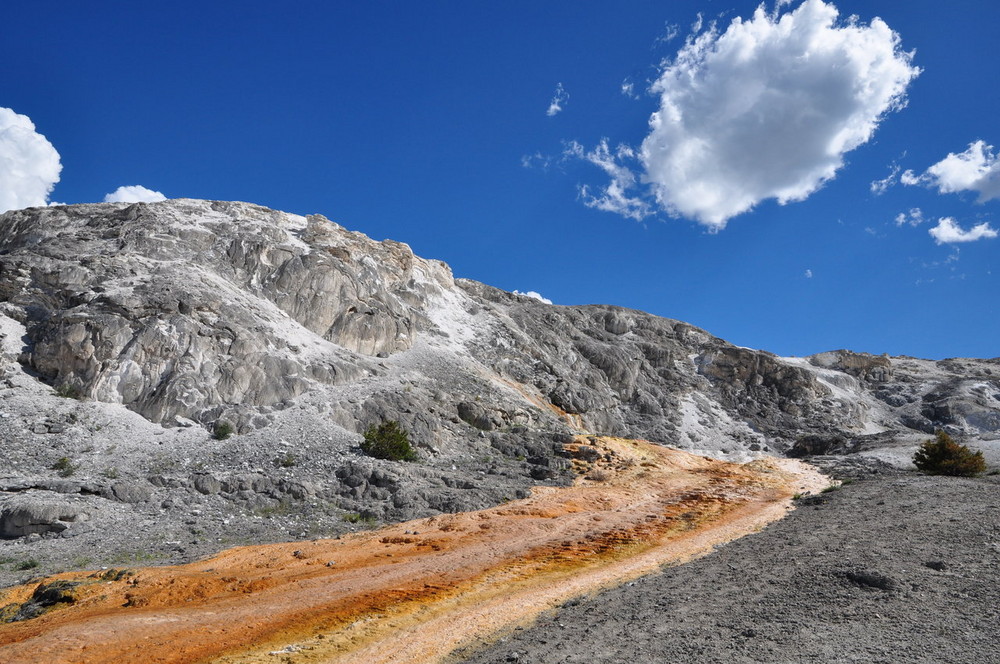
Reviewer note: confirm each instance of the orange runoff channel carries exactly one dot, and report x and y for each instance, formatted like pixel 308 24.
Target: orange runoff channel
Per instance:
pixel 420 590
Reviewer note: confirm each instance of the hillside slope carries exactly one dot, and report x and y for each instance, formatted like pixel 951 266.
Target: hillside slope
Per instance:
pixel 162 321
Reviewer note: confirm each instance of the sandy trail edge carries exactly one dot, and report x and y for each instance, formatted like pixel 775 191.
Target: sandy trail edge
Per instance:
pixel 416 591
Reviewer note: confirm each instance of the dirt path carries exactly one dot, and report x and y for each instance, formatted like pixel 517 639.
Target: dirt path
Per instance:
pixel 416 591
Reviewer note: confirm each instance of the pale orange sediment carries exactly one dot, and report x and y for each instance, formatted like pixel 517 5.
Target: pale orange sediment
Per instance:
pixel 414 592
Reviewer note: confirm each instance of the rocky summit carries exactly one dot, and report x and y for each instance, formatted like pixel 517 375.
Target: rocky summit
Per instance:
pixel 136 337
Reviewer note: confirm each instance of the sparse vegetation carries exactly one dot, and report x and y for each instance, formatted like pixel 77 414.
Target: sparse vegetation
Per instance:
pixel 943 456
pixel 68 391
pixel 286 460
pixel 388 441
pixel 598 475
pixel 64 467
pixel 354 517
pixel 25 565
pixel 283 507
pixel 222 430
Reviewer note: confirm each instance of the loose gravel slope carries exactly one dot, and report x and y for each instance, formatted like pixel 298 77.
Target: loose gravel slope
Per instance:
pixel 893 568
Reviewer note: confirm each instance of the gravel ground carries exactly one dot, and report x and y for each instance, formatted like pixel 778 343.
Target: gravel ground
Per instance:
pixel 894 567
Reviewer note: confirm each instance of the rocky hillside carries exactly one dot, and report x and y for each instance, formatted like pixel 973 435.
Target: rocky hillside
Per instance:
pixel 132 332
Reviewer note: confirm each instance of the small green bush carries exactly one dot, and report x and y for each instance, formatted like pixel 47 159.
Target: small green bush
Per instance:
pixel 943 456
pixel 364 520
pixel 64 467
pixel 69 391
pixel 388 441
pixel 222 430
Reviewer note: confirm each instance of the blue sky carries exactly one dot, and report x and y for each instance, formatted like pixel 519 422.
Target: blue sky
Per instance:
pixel 430 123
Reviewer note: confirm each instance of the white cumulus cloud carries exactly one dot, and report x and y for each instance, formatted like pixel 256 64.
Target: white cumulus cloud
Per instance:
pixel 767 109
pixel 535 296
pixel 976 169
pixel 134 194
pixel 558 99
pixel 29 165
pixel 948 231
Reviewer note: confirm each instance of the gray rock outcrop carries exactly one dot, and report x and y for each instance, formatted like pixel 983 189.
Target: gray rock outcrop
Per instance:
pixel 129 331
pixel 22 516
pixel 207 311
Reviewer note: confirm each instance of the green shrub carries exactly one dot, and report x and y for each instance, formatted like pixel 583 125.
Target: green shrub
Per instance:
pixel 388 441
pixel 64 467
pixel 222 430
pixel 364 520
pixel 69 391
pixel 943 456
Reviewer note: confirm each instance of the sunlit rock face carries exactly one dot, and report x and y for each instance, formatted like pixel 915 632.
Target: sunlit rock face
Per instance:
pixel 190 310
pixel 182 308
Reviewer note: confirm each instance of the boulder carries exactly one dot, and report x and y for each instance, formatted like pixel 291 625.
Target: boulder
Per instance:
pixel 24 515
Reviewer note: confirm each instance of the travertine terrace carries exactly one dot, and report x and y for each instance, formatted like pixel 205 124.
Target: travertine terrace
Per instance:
pixel 415 591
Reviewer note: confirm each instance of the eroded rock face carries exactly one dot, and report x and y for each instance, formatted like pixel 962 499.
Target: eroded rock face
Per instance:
pixel 872 368
pixel 207 311
pixel 186 309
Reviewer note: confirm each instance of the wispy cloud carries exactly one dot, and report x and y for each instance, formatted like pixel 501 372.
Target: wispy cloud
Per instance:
pixel 699 21
pixel 879 187
pixel 615 196
pixel 948 231
pixel 913 217
pixel 558 99
pixel 808 274
pixel 765 110
pixel 628 89
pixel 670 32
pixel 29 165
pixel 537 160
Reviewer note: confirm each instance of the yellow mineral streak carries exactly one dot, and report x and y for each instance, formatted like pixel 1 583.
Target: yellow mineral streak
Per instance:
pixel 416 591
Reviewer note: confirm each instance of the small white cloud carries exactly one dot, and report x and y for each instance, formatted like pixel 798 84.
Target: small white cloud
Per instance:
pixel 809 274
pixel 948 231
pixel 558 99
pixel 977 169
pixel 879 187
pixel 134 194
pixel 536 296
pixel 29 165
pixel 767 109
pixel 914 217
pixel 628 89
pixel 908 177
